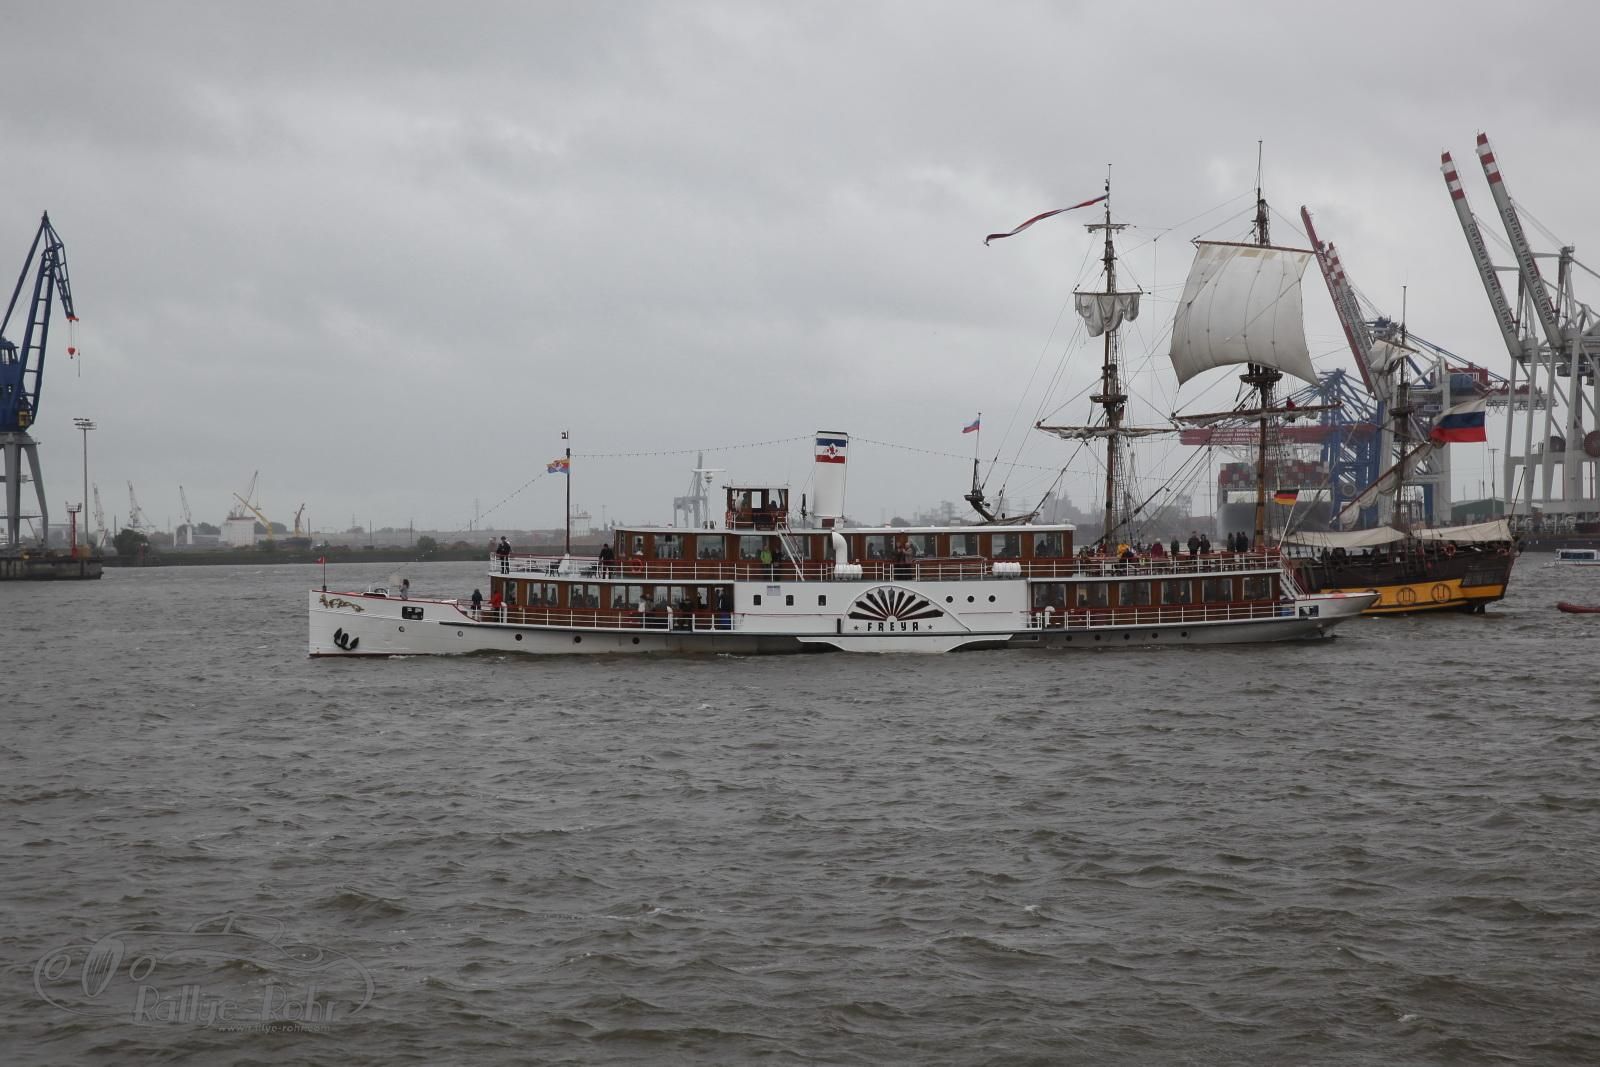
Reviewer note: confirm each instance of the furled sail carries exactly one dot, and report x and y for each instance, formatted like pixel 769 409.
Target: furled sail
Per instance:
pixel 1386 356
pixel 1100 433
pixel 1385 485
pixel 1107 311
pixel 1241 304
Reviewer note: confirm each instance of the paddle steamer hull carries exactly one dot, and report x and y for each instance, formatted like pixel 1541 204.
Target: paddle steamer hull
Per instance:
pixel 364 624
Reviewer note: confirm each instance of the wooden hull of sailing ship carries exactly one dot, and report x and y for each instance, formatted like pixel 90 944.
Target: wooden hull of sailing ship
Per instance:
pixel 1468 581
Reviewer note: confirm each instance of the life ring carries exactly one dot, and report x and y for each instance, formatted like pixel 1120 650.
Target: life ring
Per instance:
pixel 1449 549
pixel 635 566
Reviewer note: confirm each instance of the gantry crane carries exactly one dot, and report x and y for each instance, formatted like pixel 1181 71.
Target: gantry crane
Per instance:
pixel 253 510
pixel 22 373
pixel 136 519
pixel 99 516
pixel 1554 344
pixel 186 531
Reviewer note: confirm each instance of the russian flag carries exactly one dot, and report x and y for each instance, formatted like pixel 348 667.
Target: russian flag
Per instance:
pixel 1462 424
pixel 831 449
pixel 972 427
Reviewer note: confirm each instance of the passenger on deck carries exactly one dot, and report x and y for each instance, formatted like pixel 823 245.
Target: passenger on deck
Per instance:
pixel 477 603
pixel 503 550
pixel 608 559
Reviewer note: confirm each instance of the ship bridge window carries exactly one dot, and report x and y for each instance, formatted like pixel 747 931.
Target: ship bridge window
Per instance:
pixel 668 547
pixel 1005 546
pixel 1218 589
pixel 709 546
pixel 1048 545
pixel 638 544
pixel 1258 587
pixel 963 544
pixel 1176 593
pixel 1090 595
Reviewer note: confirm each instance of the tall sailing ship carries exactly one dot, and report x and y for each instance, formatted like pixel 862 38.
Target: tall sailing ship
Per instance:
pixel 1412 567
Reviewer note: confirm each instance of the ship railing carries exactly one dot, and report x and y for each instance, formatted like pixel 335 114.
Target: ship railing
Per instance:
pixel 922 569
pixel 655 619
pixel 1158 615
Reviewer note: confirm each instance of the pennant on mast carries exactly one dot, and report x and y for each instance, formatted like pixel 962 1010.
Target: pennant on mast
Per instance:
pixel 1046 215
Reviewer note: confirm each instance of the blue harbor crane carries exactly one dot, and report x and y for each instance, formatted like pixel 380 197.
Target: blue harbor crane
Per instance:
pixel 22 371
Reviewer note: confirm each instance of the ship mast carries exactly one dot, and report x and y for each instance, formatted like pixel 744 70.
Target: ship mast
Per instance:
pixel 1261 378
pixel 1111 397
pixel 1401 411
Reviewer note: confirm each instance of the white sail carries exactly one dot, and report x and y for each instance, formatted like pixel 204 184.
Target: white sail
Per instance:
pixel 1242 304
pixel 1107 311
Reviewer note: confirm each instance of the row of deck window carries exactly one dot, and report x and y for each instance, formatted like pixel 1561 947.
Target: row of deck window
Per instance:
pixel 1036 544
pixel 619 597
pixel 1076 595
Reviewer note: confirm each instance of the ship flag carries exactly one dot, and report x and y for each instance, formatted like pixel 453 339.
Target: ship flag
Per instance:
pixel 1045 215
pixel 972 427
pixel 831 449
pixel 1462 424
pixel 559 465
pixel 1286 497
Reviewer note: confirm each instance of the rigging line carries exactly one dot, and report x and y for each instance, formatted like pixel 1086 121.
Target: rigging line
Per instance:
pixel 935 452
pixel 503 501
pixel 688 451
pixel 1163 231
pixel 1034 374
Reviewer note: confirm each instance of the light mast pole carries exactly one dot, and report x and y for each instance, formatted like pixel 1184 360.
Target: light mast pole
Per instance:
pixel 568 473
pixel 85 425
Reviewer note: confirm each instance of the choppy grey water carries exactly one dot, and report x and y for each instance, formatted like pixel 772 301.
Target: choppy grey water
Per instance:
pixel 1377 849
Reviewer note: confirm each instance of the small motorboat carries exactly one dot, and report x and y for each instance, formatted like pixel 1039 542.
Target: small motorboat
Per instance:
pixel 1577 609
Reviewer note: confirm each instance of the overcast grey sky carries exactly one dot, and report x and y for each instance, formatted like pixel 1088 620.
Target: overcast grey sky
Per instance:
pixel 385 253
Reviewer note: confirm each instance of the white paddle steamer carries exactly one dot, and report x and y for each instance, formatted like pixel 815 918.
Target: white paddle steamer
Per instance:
pixel 761 583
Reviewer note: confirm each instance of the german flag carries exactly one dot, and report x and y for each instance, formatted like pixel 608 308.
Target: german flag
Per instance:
pixel 1286 497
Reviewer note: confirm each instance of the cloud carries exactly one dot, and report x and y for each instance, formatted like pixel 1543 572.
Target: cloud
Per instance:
pixel 385 253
